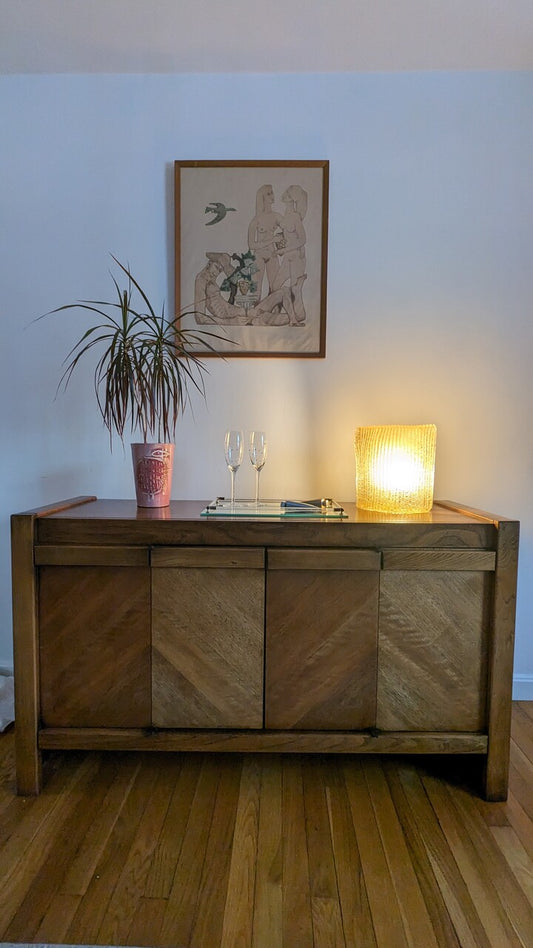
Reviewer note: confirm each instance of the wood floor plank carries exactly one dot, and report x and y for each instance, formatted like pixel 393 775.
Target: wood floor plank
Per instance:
pixel 494 814
pixel 386 914
pixel 94 904
pixel 268 908
pixel 416 919
pixel 213 886
pixel 520 757
pixel 455 893
pixel 296 914
pixel 521 822
pixel 524 709
pixel 525 706
pixel 165 858
pixel 75 825
pixel 522 732
pixel 181 903
pixel 268 851
pixel 420 845
pixel 131 883
pixel 327 923
pixel 322 875
pixel 59 915
pixel 83 865
pixel 23 815
pixel 462 928
pixel 516 908
pixel 27 849
pixel 325 904
pixel 521 779
pixel 482 885
pixel 355 909
pixel 238 919
pixel 517 858
pixel 146 922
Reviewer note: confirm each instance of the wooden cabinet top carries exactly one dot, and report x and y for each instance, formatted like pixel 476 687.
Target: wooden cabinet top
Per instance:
pixel 90 520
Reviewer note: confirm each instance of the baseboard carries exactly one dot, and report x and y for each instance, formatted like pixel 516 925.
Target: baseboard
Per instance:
pixel 523 688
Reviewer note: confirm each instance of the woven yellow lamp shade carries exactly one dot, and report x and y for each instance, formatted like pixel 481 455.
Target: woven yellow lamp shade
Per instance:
pixel 395 468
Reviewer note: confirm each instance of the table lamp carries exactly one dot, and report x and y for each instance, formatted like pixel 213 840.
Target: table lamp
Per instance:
pixel 395 468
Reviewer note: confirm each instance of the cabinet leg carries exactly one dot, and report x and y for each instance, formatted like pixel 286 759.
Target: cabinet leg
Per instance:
pixel 496 776
pixel 26 655
pixel 28 766
pixel 501 662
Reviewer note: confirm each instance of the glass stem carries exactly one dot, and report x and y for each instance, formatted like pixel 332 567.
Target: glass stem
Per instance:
pixel 257 487
pixel 232 486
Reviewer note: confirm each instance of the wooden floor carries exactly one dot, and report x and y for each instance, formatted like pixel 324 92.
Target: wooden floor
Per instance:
pixel 268 851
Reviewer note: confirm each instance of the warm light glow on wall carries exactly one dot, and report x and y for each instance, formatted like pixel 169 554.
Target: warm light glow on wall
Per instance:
pixel 395 468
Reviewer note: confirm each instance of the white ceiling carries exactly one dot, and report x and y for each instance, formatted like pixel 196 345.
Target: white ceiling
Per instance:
pixel 151 36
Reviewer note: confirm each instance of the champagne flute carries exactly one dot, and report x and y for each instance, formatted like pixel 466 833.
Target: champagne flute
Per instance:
pixel 258 454
pixel 233 448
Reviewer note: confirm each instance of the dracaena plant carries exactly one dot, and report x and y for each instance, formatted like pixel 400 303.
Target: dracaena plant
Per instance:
pixel 144 374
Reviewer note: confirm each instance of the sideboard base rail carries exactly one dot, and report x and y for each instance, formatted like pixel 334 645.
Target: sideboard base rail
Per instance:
pixel 269 742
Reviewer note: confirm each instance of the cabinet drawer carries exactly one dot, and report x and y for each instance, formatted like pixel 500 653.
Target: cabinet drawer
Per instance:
pixel 66 555
pixel 440 559
pixel 323 559
pixel 208 557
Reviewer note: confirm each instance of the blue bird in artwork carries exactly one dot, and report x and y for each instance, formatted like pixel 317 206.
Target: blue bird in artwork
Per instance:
pixel 219 210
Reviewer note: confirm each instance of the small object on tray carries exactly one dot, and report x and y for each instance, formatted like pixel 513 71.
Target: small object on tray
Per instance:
pixel 323 507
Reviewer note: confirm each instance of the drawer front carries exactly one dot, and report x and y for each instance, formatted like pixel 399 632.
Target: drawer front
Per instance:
pixel 484 560
pixel 323 559
pixel 208 557
pixel 67 555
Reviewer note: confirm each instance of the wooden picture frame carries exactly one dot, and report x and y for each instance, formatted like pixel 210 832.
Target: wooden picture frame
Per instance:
pixel 251 255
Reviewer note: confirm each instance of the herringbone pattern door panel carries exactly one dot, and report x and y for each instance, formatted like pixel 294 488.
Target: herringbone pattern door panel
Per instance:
pixel 95 646
pixel 321 654
pixel 207 655
pixel 433 645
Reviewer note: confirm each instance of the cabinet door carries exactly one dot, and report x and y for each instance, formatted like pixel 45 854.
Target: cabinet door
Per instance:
pixel 321 639
pixel 94 641
pixel 208 635
pixel 434 628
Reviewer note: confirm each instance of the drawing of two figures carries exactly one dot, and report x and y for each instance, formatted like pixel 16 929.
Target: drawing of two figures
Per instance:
pixel 263 286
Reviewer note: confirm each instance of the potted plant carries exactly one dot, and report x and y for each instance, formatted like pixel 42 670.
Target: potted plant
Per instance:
pixel 142 378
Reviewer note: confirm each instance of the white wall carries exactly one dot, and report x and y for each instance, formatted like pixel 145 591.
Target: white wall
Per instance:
pixel 430 280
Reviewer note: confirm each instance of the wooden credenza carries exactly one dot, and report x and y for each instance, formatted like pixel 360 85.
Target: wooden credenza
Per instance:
pixel 165 630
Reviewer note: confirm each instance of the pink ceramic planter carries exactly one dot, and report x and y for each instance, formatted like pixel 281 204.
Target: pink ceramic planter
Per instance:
pixel 152 468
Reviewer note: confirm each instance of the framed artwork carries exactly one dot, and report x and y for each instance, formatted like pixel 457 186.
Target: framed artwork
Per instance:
pixel 251 255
